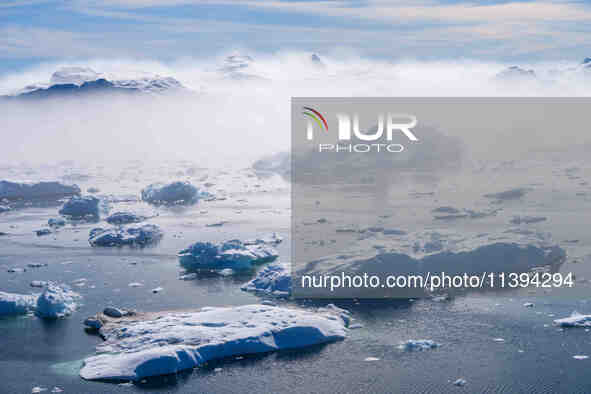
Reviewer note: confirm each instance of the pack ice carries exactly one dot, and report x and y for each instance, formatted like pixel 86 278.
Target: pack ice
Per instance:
pixel 55 301
pixel 274 280
pixel 36 191
pixel 172 193
pixel 121 236
pixel 78 207
pixel 164 343
pixel 234 254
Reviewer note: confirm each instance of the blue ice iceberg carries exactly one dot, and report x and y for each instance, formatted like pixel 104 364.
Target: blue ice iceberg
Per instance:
pixel 274 280
pixel 56 301
pixel 173 193
pixel 36 191
pixel 121 236
pixel 80 207
pixel 119 218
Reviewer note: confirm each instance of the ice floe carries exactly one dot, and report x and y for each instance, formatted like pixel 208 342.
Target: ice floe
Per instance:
pixel 36 191
pixel 119 218
pixel 274 280
pixel 154 344
pixel 234 254
pixel 173 193
pixel 574 320
pixel 125 236
pixel 80 207
pixel 418 344
pixel 16 304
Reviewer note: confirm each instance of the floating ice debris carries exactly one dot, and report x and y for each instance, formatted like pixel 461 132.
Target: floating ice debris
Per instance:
pixel 189 276
pixel 355 326
pixel 528 304
pixel 38 283
pixel 272 239
pixel 93 322
pixel 173 193
pixel 119 218
pixel 57 390
pixel 459 382
pixel 440 298
pixel 135 284
pixel 42 232
pixel 499 340
pixel 216 224
pixel 121 236
pixel 56 222
pixel 56 301
pixel 36 191
pixel 226 272
pixel 16 270
pixel 157 290
pixel 580 357
pixel 446 209
pixel 38 389
pixel 274 279
pixel 575 320
pixel 4 208
pixel 233 254
pixel 116 312
pixel 418 344
pixel 371 359
pixel 163 343
pixel 79 207
pixel 527 219
pixel 93 190
pixel 512 194
pixel 16 304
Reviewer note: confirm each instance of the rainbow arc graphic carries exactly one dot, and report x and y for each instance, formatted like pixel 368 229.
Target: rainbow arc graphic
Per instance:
pixel 316 117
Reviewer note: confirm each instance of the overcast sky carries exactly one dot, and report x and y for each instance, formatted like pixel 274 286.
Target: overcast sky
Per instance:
pixel 33 31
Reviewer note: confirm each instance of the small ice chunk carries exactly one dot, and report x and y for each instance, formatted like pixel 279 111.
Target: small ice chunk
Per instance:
pixel 189 276
pixel 57 390
pixel 16 304
pixel 36 265
pixel 499 340
pixel 512 194
pixel 460 382
pixel 135 284
pixel 527 219
pixel 173 193
pixel 574 320
pixel 233 254
pixel 56 301
pixel 226 272
pixel 446 209
pixel 120 236
pixel 38 389
pixel 115 312
pixel 79 207
pixel 56 222
pixel 371 359
pixel 418 344
pixel 157 290
pixel 120 218
pixel 274 279
pixel 38 283
pixel 580 357
pixel 42 232
pixel 528 304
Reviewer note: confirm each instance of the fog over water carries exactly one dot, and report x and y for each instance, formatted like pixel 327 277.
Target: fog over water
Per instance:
pixel 237 107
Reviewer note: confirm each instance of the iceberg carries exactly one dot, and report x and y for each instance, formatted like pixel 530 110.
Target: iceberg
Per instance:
pixel 233 254
pixel 418 344
pixel 56 301
pixel 153 344
pixel 278 163
pixel 121 236
pixel 16 304
pixel 274 280
pixel 79 207
pixel 120 218
pixel 574 320
pixel 36 191
pixel 173 193
pixel 56 222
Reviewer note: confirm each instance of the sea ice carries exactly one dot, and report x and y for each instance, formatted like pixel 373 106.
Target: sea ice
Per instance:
pixel 119 218
pixel 120 236
pixel 154 344
pixel 16 304
pixel 574 320
pixel 233 254
pixel 56 301
pixel 274 279
pixel 173 193
pixel 36 191
pixel 79 207
pixel 418 344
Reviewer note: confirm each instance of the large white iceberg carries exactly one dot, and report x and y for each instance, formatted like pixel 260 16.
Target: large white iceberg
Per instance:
pixel 16 304
pixel 163 343
pixel 274 280
pixel 78 207
pixel 56 301
pixel 36 191
pixel 120 236
pixel 172 193
pixel 233 254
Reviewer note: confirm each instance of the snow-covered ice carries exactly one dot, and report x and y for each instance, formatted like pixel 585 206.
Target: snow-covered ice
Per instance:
pixel 173 193
pixel 274 279
pixel 79 207
pixel 121 236
pixel 162 343
pixel 233 254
